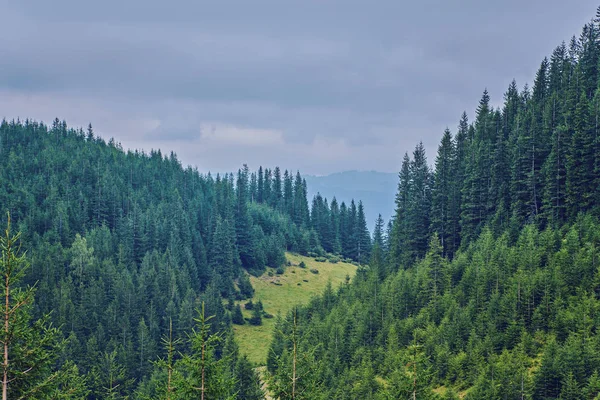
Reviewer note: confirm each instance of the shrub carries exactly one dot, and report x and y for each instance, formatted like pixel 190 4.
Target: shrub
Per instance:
pixel 302 264
pixel 249 305
pixel 314 271
pixel 320 259
pixel 279 271
pixel 334 259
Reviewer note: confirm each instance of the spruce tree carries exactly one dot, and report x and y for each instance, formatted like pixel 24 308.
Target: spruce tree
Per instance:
pixel 31 347
pixel 399 236
pixel 363 235
pixel 441 207
pixel 288 194
pixel 419 204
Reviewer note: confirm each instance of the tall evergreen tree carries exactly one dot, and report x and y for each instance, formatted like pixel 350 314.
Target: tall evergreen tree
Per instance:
pixel 441 207
pixel 419 204
pixel 362 235
pixel 31 348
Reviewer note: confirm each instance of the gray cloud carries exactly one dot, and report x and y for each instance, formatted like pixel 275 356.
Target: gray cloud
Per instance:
pixel 311 85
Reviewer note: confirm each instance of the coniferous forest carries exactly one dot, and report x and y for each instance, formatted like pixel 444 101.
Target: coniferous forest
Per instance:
pixel 121 269
pixel 486 283
pixel 124 249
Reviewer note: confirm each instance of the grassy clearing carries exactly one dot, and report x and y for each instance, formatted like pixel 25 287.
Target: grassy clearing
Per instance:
pixel 279 293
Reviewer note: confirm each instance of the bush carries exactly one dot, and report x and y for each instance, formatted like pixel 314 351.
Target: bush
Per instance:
pixel 304 280
pixel 293 271
pixel 314 271
pixel 270 273
pixel 302 264
pixel 299 284
pixel 320 259
pixel 279 271
pixel 334 259
pixel 249 305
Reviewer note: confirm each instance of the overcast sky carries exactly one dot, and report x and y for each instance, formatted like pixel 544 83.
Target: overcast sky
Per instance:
pixel 319 86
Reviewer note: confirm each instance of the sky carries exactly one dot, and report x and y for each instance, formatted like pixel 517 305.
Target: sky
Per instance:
pixel 316 86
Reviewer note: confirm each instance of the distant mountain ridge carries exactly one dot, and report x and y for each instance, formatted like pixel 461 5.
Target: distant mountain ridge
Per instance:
pixel 377 191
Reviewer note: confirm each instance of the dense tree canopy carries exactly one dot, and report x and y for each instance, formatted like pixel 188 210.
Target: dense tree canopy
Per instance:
pixel 486 285
pixel 124 246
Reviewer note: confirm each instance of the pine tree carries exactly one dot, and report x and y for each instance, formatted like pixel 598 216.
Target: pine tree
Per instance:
pixel 200 373
pixel 378 233
pixel 237 317
pixel 580 161
pixel 336 246
pixel 276 199
pixel 300 202
pixel 363 235
pixel 31 348
pixel 247 382
pixel 260 186
pixel 441 208
pixel 399 236
pixel 243 222
pixel 419 204
pixel 461 145
pixel 288 194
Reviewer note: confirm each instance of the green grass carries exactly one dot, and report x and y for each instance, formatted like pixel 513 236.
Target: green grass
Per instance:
pixel 279 299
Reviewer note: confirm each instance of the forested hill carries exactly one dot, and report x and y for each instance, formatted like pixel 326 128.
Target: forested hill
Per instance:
pixel 125 245
pixel 487 284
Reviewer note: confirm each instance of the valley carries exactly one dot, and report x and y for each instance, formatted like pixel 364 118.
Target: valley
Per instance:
pixel 280 293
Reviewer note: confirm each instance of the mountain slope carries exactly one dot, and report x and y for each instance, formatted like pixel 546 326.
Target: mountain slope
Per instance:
pixel 488 285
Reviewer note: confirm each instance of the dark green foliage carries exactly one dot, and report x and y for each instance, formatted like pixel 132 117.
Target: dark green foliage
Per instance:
pixel 487 284
pixel 442 192
pixel 500 319
pixel 247 383
pixel 236 315
pixel 246 289
pixel 31 348
pixel 125 242
pixel 256 318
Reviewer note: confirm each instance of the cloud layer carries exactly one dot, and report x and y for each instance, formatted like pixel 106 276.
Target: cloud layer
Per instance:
pixel 310 85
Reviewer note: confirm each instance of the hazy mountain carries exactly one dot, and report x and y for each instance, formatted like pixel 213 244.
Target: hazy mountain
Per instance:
pixel 376 190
